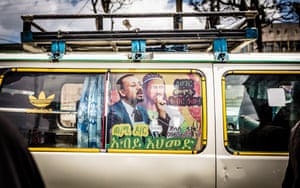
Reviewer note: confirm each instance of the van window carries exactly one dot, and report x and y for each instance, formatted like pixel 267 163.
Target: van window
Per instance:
pixel 38 104
pixel 115 111
pixel 261 108
pixel 171 112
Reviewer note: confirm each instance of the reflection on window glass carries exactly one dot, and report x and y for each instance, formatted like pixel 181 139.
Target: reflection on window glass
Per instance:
pixel 44 106
pixel 261 110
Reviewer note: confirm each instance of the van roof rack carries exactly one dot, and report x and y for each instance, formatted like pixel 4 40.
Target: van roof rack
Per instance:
pixel 203 40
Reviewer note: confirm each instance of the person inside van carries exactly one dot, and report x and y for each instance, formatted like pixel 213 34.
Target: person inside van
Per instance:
pixel 18 168
pixel 266 137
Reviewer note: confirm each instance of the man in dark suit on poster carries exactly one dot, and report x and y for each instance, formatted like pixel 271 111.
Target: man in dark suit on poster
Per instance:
pixel 128 110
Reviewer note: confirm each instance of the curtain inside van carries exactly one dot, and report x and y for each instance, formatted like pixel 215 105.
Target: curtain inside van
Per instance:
pixel 90 112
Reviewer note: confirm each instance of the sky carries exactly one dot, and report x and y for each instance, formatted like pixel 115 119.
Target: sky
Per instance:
pixel 11 24
pixel 11 11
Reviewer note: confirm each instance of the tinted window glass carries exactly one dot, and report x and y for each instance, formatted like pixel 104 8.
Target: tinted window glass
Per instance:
pixel 260 110
pixel 44 106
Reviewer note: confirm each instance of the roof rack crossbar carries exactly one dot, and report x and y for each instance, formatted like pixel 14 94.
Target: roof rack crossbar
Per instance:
pixel 250 14
pixel 43 36
pixel 131 35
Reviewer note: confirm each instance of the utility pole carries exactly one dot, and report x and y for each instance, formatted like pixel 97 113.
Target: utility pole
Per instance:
pixel 178 22
pixel 178 5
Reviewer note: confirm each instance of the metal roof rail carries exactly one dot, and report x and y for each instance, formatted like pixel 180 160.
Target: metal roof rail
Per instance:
pixel 40 39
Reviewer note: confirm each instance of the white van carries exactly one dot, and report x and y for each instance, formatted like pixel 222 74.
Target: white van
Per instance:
pixel 228 122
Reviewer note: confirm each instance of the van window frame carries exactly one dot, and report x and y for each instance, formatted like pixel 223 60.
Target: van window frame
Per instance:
pixel 113 71
pixel 225 110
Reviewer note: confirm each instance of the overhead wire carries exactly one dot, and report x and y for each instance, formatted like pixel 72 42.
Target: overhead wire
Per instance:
pixel 80 10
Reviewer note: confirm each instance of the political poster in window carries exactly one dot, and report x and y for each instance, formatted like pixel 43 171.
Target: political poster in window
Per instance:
pixel 154 111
